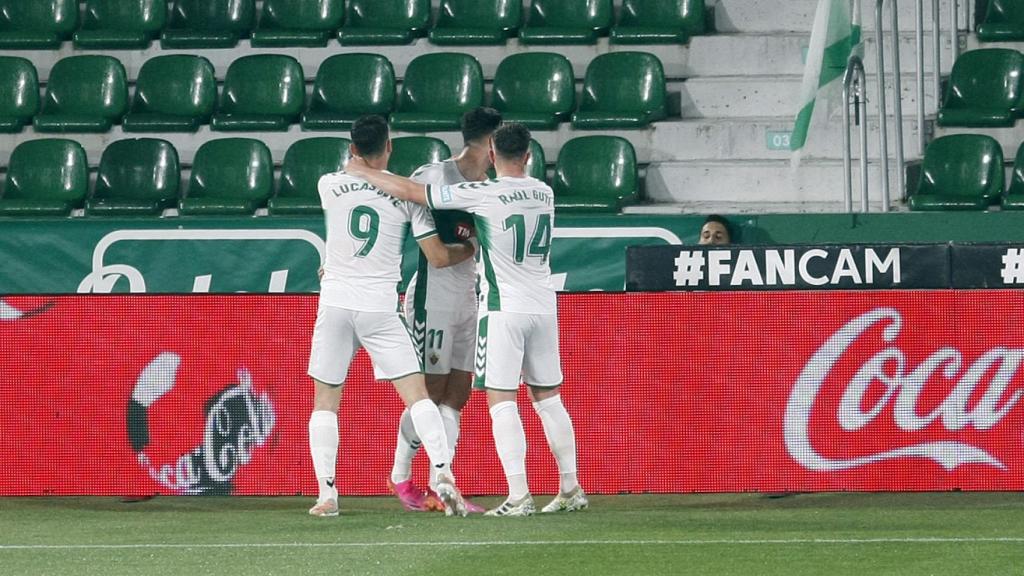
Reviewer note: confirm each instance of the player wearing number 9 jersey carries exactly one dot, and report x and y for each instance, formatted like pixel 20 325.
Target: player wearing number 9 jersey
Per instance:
pixel 518 325
pixel 358 306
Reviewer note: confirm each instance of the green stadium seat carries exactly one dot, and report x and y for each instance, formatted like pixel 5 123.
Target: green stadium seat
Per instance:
pixel 960 172
pixel 476 22
pixel 348 86
pixel 305 24
pixel 567 21
pixel 137 177
pixel 19 93
pixel 1002 21
pixel 262 92
pixel 658 22
pixel 595 174
pixel 622 90
pixel 45 178
pixel 208 23
pixel 410 152
pixel 229 176
pixel 437 90
pixel 537 89
pixel 985 89
pixel 1014 197
pixel 36 24
pixel 159 105
pixel 120 24
pixel 304 163
pixel 384 22
pixel 84 94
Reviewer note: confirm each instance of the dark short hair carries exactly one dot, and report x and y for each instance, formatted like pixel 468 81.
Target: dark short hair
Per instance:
pixel 720 220
pixel 479 122
pixel 511 140
pixel 370 135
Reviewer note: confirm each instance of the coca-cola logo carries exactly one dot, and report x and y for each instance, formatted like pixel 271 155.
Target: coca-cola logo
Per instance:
pixel 903 385
pixel 237 421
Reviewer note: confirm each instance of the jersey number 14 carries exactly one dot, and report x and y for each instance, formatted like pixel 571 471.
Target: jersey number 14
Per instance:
pixel 540 243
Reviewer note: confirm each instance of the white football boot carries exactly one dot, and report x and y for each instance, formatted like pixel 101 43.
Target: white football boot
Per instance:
pixel 575 500
pixel 524 507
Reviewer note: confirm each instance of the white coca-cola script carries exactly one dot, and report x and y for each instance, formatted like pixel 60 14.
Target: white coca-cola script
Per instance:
pixel 903 385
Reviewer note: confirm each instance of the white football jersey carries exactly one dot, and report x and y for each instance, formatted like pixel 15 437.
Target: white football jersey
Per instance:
pixel 514 220
pixel 366 231
pixel 446 289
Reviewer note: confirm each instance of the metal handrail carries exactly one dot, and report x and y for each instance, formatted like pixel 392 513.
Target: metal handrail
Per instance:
pixel 897 101
pixel 855 76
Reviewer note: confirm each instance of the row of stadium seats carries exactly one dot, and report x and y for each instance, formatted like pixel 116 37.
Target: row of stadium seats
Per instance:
pixel 267 92
pixel 193 24
pixel 1002 21
pixel 234 176
pixel 985 89
pixel 965 172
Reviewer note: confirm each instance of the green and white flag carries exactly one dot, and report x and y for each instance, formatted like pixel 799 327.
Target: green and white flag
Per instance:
pixel 835 36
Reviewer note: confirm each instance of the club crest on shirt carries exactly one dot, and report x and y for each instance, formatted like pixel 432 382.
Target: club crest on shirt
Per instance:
pixel 433 359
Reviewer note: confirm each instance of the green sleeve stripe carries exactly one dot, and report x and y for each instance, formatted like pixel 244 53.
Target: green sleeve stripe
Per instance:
pixel 430 200
pixel 426 235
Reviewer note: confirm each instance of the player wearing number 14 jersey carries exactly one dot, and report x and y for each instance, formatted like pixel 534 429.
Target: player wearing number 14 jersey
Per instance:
pixel 358 306
pixel 518 323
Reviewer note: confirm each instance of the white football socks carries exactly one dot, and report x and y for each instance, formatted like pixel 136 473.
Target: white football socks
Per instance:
pixel 430 428
pixel 510 442
pixel 323 447
pixel 407 445
pixel 561 439
pixel 450 417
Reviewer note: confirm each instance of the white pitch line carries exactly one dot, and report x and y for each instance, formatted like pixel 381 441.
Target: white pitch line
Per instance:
pixel 763 542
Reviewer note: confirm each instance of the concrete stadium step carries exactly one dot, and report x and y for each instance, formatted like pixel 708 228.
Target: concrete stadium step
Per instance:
pixel 741 54
pixel 798 15
pixel 752 96
pixel 759 182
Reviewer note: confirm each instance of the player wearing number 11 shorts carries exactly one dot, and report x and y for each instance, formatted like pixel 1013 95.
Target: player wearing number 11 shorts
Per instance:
pixel 518 323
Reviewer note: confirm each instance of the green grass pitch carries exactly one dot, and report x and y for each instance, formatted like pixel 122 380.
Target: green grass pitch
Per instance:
pixel 969 534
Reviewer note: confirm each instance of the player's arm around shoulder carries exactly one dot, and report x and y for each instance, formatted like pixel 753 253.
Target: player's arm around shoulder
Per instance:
pixel 441 255
pixel 391 184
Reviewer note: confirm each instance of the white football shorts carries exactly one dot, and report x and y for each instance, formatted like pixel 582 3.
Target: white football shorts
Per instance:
pixel 445 340
pixel 338 334
pixel 510 345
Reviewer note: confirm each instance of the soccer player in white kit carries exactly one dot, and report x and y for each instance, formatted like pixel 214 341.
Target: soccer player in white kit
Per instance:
pixel 358 306
pixel 518 324
pixel 440 306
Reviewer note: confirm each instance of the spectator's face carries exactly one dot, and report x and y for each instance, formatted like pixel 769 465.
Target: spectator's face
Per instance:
pixel 713 234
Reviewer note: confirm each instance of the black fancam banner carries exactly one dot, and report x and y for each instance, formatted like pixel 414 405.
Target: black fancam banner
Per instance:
pixel 827 267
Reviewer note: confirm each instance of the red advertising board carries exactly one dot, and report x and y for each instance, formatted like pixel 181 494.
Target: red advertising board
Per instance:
pixel 681 392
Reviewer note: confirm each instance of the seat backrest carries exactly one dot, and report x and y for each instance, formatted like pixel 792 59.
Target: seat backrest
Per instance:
pixel 598 167
pixel 962 165
pixel 1016 187
pixel 684 14
pixel 52 169
pixel 307 160
pixel 986 78
pixel 624 82
pixel 591 14
pixel 220 15
pixel 400 14
pixel 1004 11
pixel 239 168
pixel 490 14
pixel 536 166
pixel 92 85
pixel 411 152
pixel 19 88
pixel 308 15
pixel 264 84
pixel 133 15
pixel 357 83
pixel 535 82
pixel 139 168
pixel 442 82
pixel 59 17
pixel 176 84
